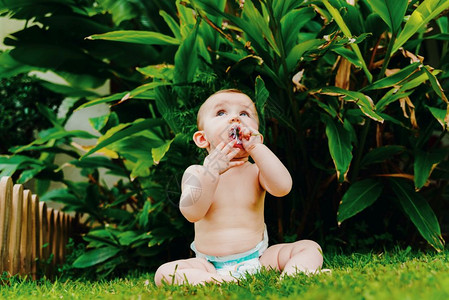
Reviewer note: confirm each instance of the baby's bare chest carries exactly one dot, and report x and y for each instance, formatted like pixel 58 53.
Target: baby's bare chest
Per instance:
pixel 238 189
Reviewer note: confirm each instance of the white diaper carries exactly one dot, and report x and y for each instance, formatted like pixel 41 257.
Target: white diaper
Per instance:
pixel 237 265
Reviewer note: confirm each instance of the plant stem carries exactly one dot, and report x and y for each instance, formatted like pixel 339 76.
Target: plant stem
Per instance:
pixel 360 148
pixel 387 57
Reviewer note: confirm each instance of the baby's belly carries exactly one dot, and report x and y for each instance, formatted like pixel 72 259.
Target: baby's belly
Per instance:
pixel 227 241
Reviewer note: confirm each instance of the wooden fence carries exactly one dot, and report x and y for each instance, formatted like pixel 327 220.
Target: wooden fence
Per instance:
pixel 30 232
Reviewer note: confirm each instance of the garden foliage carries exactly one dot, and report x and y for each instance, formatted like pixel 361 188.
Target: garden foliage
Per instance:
pixel 21 99
pixel 349 94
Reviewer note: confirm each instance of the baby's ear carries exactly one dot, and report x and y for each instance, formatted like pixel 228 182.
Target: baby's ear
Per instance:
pixel 200 139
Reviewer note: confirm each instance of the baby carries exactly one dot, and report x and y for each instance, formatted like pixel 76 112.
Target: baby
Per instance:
pixel 224 198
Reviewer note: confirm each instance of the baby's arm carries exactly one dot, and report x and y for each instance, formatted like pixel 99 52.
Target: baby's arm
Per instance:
pixel 273 175
pixel 200 182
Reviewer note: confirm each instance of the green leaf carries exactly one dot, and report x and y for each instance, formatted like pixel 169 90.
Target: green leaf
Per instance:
pixel 186 58
pixel 417 81
pixel 144 214
pixel 435 84
pixel 95 256
pixel 282 8
pixel 9 67
pixel 96 162
pixel 56 135
pixel 255 20
pixel 261 97
pixel 59 195
pixel 340 146
pixel 172 24
pixel 251 23
pixel 68 91
pixel 120 10
pixel 419 212
pixel 118 215
pixel 443 24
pixel 426 11
pixel 396 78
pixel 391 11
pixel 294 56
pixel 159 152
pixel 440 115
pixel 162 71
pixel 137 37
pixel 424 164
pixel 390 97
pixel 344 28
pixel 381 154
pixel 123 131
pixel 292 23
pixel 364 102
pixel 349 55
pixel 359 196
pixel 124 96
pixel 128 237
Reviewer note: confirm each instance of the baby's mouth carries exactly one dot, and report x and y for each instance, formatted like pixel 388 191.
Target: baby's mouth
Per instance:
pixel 235 134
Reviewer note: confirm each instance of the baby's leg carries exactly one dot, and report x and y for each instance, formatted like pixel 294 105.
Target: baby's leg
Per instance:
pixel 193 271
pixel 302 256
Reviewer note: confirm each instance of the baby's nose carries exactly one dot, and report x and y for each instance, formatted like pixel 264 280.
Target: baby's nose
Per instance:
pixel 234 119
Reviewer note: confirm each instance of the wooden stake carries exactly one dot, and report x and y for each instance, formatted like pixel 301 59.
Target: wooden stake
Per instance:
pixel 44 249
pixel 35 235
pixel 56 237
pixel 50 238
pixel 15 230
pixel 5 219
pixel 25 239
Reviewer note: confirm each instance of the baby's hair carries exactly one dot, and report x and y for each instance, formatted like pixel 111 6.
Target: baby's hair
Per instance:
pixel 227 91
pixel 236 91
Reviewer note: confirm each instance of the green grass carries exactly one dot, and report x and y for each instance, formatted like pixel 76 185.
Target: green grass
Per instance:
pixel 389 275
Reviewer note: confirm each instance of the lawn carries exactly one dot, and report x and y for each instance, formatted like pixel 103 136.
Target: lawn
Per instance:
pixel 400 274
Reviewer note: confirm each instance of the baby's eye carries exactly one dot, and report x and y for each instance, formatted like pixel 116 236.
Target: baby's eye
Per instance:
pixel 244 113
pixel 220 113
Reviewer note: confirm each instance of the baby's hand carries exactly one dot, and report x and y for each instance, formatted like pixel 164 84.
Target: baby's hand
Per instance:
pixel 250 138
pixel 219 159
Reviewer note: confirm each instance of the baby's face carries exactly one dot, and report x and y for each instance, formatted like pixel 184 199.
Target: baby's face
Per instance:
pixel 224 114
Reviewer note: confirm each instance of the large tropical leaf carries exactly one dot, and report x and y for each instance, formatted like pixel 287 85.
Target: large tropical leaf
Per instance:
pixel 55 135
pixel 137 37
pixel 340 146
pixel 426 11
pixel 282 8
pixel 95 256
pixel 419 211
pixel 294 56
pixel 172 24
pixel 145 91
pixel 424 164
pixel 159 152
pixel 186 58
pixel 380 154
pixel 123 131
pixel 364 102
pixel 292 22
pixel 359 196
pixel 440 115
pixel 391 11
pixel 395 79
pixel 9 67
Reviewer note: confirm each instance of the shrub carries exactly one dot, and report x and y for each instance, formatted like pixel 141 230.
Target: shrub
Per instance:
pixel 20 119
